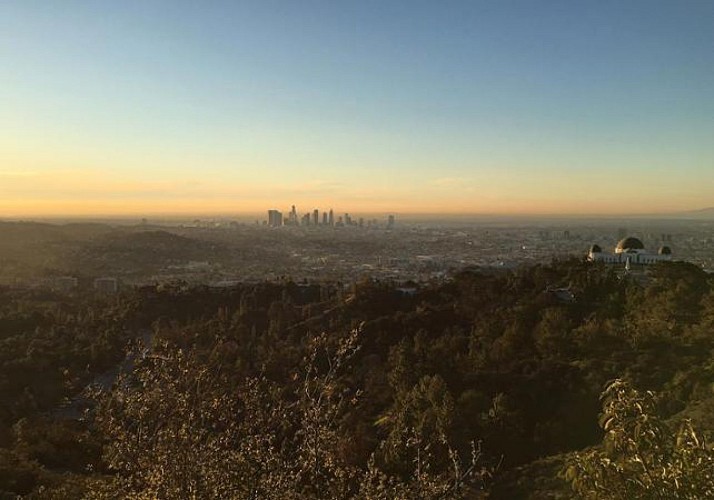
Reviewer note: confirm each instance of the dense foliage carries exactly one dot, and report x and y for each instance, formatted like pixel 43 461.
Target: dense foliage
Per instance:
pixel 322 391
pixel 182 427
pixel 642 456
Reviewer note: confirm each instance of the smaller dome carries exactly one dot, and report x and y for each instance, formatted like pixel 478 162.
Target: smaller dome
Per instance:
pixel 629 243
pixel 665 251
pixel 595 249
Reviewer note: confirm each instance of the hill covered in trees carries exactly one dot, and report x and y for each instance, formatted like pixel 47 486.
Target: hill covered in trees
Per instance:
pixel 487 386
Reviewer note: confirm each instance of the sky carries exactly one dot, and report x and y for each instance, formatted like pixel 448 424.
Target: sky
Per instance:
pixel 473 107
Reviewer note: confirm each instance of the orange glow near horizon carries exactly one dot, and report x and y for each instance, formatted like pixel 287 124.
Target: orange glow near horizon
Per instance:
pixel 62 191
pixel 87 193
pixel 87 208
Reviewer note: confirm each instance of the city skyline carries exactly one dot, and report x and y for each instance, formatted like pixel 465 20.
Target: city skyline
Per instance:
pixel 518 108
pixel 315 218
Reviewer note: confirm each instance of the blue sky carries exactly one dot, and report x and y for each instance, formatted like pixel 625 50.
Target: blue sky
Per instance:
pixel 481 107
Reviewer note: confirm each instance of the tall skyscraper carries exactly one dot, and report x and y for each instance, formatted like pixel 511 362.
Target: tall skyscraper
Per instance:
pixel 331 218
pixel 275 218
pixel 390 222
pixel 324 218
pixel 293 218
pixel 316 217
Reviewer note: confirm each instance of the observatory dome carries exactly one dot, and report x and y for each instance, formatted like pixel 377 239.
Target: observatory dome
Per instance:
pixel 629 243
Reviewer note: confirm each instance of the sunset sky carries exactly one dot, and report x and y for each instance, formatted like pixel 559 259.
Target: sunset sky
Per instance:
pixel 505 107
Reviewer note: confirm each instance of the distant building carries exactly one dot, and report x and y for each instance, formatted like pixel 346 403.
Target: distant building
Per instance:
pixel 562 294
pixel 106 285
pixel 409 291
pixel 306 219
pixel 331 218
pixel 630 251
pixel 324 218
pixel 390 222
pixel 292 217
pixel 66 283
pixel 275 218
pixel 316 217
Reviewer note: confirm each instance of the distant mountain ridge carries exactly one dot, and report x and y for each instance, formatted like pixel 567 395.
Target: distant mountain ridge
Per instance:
pixel 702 213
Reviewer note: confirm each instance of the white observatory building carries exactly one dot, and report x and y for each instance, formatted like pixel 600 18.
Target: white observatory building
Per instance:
pixel 630 250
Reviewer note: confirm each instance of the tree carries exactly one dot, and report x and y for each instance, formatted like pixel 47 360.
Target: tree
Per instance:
pixel 179 427
pixel 642 456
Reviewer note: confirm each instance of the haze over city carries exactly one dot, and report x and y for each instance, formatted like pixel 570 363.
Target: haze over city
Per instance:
pixel 144 108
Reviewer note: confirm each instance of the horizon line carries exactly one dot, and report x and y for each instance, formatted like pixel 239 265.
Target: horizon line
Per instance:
pixel 407 214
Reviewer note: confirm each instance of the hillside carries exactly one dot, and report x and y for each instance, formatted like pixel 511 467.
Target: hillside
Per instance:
pixel 376 376
pixel 138 252
pixel 29 249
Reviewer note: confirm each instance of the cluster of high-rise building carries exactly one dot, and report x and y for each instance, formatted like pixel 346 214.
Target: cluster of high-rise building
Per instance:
pixel 314 218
